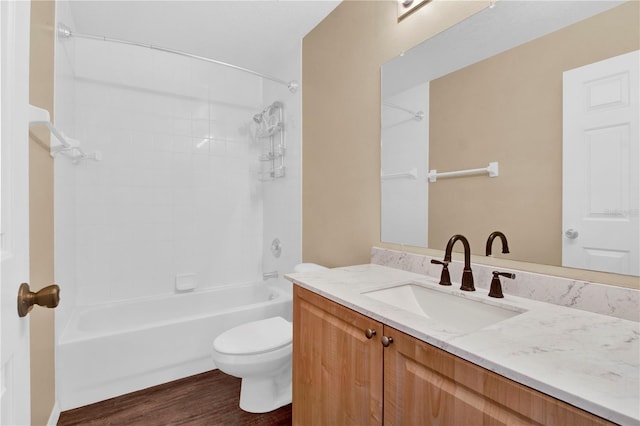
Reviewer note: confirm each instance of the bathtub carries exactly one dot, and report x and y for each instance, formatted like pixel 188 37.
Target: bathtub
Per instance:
pixel 112 349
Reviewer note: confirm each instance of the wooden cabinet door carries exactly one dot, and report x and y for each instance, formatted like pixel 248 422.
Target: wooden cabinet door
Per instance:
pixel 424 385
pixel 337 370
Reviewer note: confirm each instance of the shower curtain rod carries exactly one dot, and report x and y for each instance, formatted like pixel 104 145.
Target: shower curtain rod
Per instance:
pixel 65 32
pixel 417 115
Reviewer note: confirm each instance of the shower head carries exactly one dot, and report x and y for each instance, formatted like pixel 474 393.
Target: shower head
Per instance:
pixel 267 114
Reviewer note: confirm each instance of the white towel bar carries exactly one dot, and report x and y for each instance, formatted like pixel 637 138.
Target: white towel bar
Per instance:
pixel 492 170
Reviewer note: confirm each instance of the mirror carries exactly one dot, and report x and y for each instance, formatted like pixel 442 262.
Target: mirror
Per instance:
pixel 490 89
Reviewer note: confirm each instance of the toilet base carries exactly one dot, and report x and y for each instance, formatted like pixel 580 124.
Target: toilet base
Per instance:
pixel 264 394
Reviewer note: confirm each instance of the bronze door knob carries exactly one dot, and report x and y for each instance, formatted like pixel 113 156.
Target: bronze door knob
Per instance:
pixel 48 297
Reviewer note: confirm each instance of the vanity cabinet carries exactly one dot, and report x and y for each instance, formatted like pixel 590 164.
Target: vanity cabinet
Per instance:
pixel 426 385
pixel 337 370
pixel 342 376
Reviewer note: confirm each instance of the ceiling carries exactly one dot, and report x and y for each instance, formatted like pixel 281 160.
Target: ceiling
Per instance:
pixel 251 34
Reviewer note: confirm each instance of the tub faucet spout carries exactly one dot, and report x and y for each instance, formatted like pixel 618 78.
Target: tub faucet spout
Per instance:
pixel 467 275
pixel 267 275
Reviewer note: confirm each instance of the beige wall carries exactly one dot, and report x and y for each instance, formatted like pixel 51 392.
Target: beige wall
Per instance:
pixel 41 212
pixel 341 61
pixel 508 108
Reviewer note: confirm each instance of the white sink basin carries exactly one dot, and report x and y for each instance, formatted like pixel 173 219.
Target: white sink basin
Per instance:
pixel 459 312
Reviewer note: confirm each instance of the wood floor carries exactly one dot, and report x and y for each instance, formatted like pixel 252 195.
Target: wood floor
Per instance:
pixel 209 398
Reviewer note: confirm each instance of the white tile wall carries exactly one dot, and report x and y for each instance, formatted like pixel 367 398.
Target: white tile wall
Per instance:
pixel 176 190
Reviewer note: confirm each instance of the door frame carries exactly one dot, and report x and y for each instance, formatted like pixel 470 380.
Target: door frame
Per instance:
pixel 15 398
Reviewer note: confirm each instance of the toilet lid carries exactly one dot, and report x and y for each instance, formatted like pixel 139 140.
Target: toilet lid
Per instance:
pixel 255 337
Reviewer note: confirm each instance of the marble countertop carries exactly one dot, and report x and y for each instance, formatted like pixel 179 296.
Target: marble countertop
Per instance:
pixel 588 360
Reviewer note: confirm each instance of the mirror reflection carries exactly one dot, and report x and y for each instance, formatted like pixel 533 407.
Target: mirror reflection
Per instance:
pixel 548 90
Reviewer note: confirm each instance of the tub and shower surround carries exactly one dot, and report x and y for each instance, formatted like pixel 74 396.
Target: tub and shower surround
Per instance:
pixel 176 194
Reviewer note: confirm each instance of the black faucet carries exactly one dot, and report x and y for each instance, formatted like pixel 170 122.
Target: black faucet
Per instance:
pixel 492 236
pixel 467 275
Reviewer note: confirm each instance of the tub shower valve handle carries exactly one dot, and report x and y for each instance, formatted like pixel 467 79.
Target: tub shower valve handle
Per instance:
pixel 369 332
pixel 496 286
pixel 48 297
pixel 276 247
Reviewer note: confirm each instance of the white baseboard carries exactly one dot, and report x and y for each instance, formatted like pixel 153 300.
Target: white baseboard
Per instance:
pixel 55 415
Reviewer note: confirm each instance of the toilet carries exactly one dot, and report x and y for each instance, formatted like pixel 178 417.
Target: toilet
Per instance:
pixel 259 352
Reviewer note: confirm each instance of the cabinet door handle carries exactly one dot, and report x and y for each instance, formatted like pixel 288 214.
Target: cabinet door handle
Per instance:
pixel 369 333
pixel 386 341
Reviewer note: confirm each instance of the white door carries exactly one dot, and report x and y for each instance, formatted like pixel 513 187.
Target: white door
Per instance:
pixel 600 166
pixel 14 210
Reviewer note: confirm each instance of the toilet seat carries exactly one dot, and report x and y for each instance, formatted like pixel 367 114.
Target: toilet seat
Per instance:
pixel 255 337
